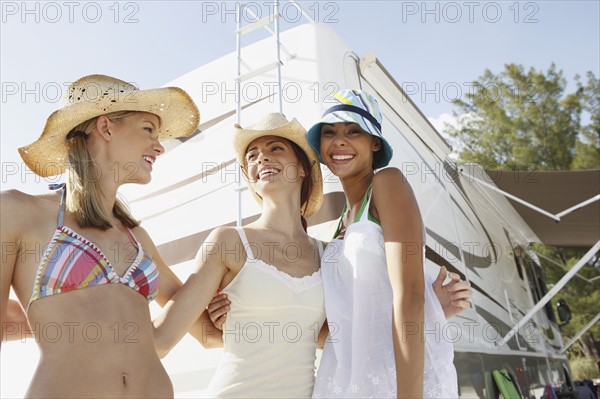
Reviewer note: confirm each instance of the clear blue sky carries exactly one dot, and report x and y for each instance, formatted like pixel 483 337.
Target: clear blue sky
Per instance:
pixel 425 45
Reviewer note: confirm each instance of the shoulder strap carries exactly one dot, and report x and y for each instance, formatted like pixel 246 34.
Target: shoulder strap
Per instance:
pixel 133 237
pixel 245 243
pixel 364 208
pixel 361 212
pixel 339 225
pixel 63 197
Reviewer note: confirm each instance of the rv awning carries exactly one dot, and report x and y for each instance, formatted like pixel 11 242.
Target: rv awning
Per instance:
pixel 555 192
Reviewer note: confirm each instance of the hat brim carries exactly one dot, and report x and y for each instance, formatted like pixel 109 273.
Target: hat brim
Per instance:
pixel 179 117
pixel 314 136
pixel 294 132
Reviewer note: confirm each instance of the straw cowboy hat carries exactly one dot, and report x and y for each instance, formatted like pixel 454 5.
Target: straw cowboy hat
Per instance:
pixel 96 95
pixel 276 124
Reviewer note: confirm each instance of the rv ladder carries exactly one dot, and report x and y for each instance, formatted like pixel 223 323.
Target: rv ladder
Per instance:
pixel 240 31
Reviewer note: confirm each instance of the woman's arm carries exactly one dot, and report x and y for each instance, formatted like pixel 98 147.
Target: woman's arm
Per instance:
pixel 190 301
pixel 15 325
pixel 10 232
pixel 202 329
pixel 403 234
pixel 205 332
pixel 169 283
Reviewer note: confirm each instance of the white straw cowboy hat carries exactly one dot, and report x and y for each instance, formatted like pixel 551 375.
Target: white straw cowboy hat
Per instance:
pixel 96 95
pixel 276 124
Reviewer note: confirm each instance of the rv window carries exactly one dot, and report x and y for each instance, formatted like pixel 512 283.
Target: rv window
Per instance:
pixel 537 285
pixel 531 276
pixel 547 306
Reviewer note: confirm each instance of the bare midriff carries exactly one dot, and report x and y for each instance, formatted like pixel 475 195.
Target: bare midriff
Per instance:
pixel 96 342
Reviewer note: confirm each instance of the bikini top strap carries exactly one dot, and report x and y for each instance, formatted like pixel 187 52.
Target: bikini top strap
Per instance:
pixel 63 198
pixel 339 225
pixel 245 243
pixel 132 236
pixel 363 213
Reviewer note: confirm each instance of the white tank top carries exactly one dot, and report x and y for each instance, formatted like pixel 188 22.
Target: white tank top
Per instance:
pixel 271 332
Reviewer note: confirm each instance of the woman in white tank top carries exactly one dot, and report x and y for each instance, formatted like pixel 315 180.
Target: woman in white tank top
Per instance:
pixel 270 270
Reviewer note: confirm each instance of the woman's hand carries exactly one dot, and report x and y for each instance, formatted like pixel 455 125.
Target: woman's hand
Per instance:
pixel 454 296
pixel 217 310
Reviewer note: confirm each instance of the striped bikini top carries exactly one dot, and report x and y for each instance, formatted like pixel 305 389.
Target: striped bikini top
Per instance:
pixel 72 262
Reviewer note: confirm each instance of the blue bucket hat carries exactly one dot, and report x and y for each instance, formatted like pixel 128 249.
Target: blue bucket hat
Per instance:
pixel 358 107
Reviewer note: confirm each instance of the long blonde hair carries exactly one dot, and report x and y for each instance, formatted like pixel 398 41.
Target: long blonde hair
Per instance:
pixel 85 194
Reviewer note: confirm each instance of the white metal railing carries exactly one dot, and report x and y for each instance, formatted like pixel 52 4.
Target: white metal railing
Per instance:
pixel 557 287
pixel 580 333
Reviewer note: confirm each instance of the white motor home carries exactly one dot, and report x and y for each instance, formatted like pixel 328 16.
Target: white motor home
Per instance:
pixel 470 228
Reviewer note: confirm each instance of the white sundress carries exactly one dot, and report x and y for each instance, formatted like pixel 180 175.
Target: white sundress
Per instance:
pixel 358 358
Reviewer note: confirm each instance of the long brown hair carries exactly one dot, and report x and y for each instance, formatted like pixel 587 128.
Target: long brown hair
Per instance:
pixel 306 188
pixel 85 194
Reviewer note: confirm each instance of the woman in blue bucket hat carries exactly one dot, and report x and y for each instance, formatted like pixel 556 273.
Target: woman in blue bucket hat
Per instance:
pixel 376 293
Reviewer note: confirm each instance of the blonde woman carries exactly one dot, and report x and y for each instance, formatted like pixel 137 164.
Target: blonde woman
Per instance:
pixel 80 264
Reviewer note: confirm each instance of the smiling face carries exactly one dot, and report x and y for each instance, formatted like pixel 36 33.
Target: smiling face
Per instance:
pixel 135 145
pixel 272 161
pixel 347 149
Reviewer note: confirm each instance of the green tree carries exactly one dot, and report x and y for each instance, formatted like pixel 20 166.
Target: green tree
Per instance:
pixel 520 119
pixel 587 150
